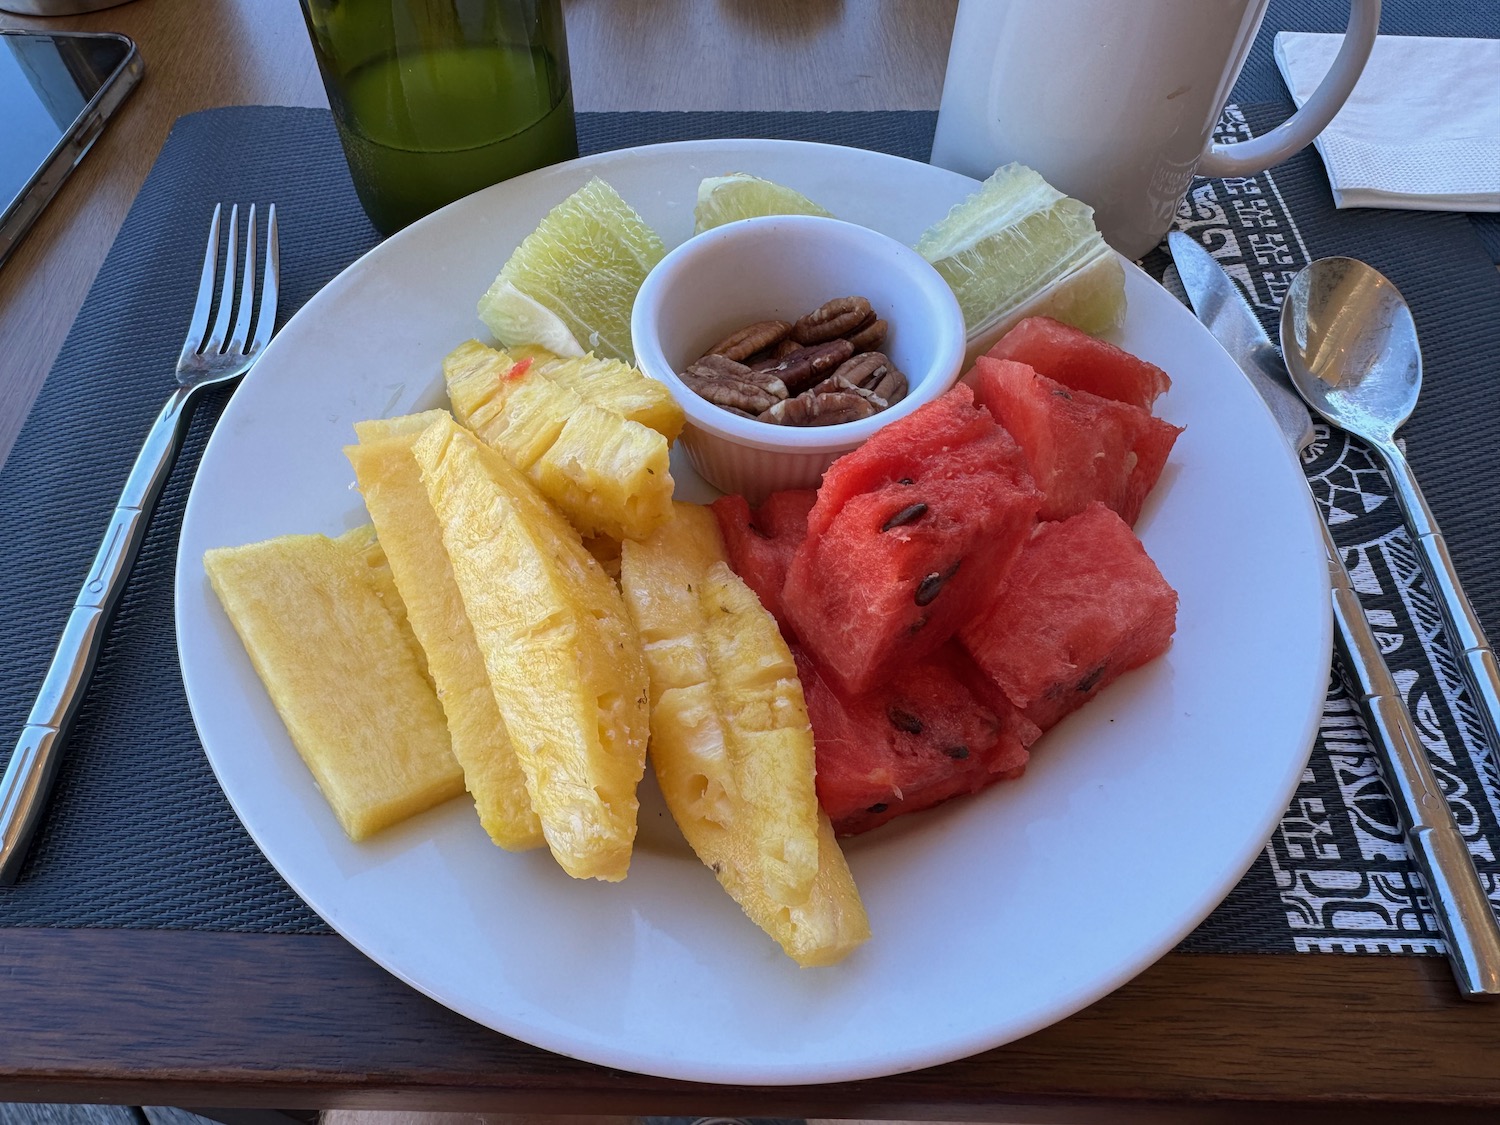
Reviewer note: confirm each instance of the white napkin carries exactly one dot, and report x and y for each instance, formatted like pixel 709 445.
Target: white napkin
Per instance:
pixel 1420 132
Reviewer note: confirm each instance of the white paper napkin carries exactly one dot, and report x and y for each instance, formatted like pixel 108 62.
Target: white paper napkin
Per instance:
pixel 1421 131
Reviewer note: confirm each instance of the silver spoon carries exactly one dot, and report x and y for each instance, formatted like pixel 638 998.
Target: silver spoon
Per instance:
pixel 1351 348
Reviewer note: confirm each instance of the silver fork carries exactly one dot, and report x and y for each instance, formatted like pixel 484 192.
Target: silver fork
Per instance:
pixel 210 356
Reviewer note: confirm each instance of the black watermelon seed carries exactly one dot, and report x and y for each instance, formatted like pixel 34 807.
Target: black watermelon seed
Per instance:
pixel 910 514
pixel 904 480
pixel 957 752
pixel 1062 393
pixel 1088 682
pixel 877 808
pixel 905 720
pixel 931 586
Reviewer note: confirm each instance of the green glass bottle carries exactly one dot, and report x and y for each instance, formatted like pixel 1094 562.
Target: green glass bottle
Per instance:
pixel 435 99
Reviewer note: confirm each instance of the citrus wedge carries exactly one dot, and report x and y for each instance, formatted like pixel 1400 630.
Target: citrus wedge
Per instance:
pixel 739 195
pixel 1018 247
pixel 570 285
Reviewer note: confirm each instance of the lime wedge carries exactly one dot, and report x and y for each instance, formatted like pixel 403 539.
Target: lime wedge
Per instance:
pixel 570 285
pixel 1019 247
pixel 739 195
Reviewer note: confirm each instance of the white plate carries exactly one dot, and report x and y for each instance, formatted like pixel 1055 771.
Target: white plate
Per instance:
pixel 992 917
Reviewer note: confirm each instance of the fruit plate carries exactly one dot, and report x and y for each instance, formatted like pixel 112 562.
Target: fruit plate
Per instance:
pixel 992 916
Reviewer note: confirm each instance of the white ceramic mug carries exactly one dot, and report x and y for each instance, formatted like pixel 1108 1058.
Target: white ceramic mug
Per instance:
pixel 1114 102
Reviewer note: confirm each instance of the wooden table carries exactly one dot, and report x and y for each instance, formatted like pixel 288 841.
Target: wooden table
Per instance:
pixel 191 1018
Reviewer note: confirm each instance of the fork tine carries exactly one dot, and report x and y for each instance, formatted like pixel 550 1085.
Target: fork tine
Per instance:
pixel 204 304
pixel 215 341
pixel 265 320
pixel 247 291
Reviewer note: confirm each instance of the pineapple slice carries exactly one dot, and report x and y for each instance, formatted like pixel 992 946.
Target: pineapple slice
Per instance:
pixel 362 541
pixel 391 482
pixel 730 740
pixel 563 660
pixel 341 674
pixel 612 384
pixel 609 474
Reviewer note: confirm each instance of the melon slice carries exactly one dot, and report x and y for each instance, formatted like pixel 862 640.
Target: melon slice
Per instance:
pixel 1083 362
pixel 929 734
pixel 1079 447
pixel 761 542
pixel 1081 606
pixel 909 557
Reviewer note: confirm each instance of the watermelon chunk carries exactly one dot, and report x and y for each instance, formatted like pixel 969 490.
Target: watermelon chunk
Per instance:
pixel 1080 447
pixel 901 452
pixel 916 741
pixel 1082 362
pixel 1082 605
pixel 901 549
pixel 761 542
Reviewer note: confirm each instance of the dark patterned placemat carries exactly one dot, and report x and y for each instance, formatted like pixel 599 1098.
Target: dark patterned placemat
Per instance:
pixel 139 834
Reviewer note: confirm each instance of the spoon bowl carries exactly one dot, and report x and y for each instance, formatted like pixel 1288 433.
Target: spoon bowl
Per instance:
pixel 1351 347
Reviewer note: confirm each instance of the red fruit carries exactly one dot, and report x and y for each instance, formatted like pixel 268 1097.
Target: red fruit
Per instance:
pixel 1080 361
pixel 761 542
pixel 925 736
pixel 1079 447
pixel 1082 605
pixel 902 549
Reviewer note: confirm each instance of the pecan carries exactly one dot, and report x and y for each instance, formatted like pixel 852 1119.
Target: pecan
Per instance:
pixel 750 339
pixel 732 385
pixel 831 319
pixel 873 372
pixel 808 409
pixel 837 382
pixel 806 366
pixel 868 336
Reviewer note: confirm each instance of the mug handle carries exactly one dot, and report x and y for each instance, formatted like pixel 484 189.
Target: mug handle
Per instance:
pixel 1245 158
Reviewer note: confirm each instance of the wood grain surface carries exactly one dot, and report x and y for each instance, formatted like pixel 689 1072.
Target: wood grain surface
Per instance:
pixel 252 1019
pixel 182 1018
pixel 625 54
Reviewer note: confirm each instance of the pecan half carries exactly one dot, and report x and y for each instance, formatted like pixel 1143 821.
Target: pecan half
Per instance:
pixel 875 373
pixel 806 366
pixel 808 409
pixel 732 385
pixel 868 336
pixel 831 320
pixel 837 382
pixel 750 339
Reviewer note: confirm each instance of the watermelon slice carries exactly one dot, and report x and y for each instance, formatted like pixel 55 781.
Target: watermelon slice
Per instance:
pixel 916 741
pixel 910 534
pixel 762 541
pixel 1079 447
pixel 1082 605
pixel 1082 362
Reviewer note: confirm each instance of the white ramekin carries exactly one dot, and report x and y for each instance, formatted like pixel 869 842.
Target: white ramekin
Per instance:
pixel 778 268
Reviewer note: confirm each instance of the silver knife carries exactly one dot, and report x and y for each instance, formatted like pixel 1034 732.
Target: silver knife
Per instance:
pixel 1432 836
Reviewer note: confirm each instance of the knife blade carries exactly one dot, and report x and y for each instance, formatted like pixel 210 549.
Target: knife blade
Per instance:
pixel 1433 838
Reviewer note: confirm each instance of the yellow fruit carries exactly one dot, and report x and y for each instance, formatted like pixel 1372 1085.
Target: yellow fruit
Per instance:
pixel 739 195
pixel 362 541
pixel 571 283
pixel 342 675
pixel 730 740
pixel 609 475
pixel 391 482
pixel 617 387
pixel 1018 247
pixel 563 660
